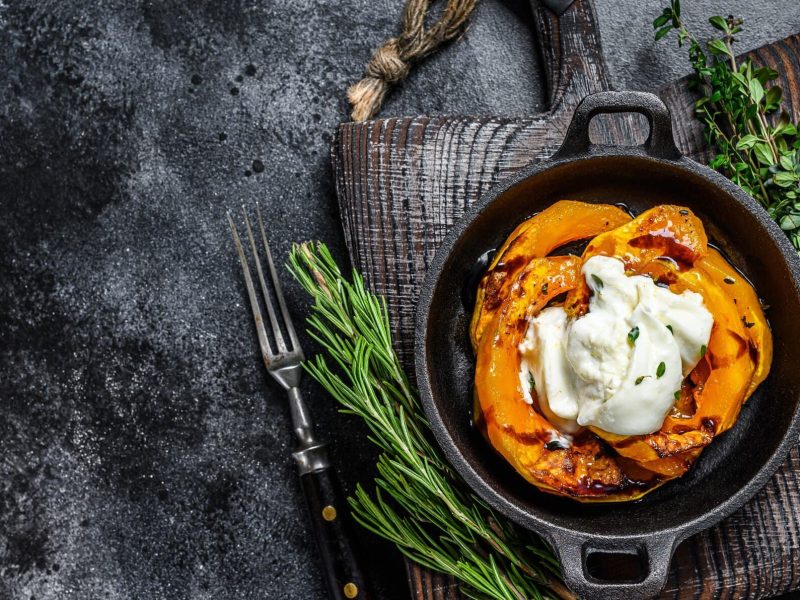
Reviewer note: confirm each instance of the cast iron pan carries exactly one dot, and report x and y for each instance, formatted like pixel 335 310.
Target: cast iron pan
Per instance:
pixel 734 467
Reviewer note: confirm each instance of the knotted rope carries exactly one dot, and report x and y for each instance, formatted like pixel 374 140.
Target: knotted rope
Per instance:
pixel 392 61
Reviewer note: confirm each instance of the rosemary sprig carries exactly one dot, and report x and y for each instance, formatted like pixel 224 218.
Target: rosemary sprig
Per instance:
pixel 737 106
pixel 420 504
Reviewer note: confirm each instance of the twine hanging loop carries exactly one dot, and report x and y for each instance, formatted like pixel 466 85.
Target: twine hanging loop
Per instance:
pixel 391 62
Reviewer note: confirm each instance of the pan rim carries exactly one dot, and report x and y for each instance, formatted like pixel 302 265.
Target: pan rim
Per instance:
pixel 534 521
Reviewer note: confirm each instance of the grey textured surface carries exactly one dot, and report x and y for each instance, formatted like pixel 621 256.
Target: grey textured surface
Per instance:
pixel 144 451
pixel 636 62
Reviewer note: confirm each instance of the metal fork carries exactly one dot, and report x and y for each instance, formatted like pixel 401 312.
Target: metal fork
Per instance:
pixel 326 502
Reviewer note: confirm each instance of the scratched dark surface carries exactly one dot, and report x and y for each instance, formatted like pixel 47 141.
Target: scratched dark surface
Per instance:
pixel 144 452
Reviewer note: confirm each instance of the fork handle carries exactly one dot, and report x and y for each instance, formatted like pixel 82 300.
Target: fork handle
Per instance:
pixel 330 517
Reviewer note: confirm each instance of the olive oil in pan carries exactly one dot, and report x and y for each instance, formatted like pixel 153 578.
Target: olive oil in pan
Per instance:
pixel 469 293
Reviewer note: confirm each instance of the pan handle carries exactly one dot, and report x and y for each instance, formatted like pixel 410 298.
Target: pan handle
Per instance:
pixel 660 142
pixel 652 552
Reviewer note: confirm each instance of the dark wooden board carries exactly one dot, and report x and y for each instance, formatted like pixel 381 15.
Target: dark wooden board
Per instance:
pixel 403 182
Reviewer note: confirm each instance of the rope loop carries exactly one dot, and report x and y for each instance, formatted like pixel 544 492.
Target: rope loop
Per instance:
pixel 391 62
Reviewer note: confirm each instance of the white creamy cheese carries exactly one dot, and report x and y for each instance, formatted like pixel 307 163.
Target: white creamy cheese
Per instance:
pixel 617 367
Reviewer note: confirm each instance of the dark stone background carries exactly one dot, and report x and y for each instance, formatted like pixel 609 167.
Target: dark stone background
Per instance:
pixel 145 453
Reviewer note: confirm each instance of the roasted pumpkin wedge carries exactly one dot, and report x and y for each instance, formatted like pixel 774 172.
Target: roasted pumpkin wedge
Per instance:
pixel 663 231
pixel 750 311
pixel 561 223
pixel 667 243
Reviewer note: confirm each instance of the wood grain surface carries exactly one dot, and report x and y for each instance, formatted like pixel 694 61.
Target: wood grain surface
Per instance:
pixel 401 184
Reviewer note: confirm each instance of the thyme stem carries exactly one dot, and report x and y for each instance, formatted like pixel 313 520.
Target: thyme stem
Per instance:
pixel 756 145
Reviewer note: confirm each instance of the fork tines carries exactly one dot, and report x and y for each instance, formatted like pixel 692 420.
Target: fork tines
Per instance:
pixel 282 350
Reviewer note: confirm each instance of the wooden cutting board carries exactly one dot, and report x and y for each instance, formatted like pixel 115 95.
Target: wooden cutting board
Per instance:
pixel 401 184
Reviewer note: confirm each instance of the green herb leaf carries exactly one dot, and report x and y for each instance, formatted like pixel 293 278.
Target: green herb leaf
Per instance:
pixel 719 23
pixel 597 281
pixel 532 382
pixel 663 31
pixel 677 395
pixel 639 379
pixel 720 160
pixel 717 47
pixel 756 91
pixel 660 370
pixel 747 141
pixel 790 222
pixel 544 288
pixel 773 97
pixel 670 329
pixel 741 80
pixel 786 162
pixel 662 19
pixel 633 335
pixel 703 350
pixel 763 153
pixel 785 179
pixel 765 74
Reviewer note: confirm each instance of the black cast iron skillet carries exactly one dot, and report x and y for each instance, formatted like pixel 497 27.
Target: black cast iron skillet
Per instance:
pixel 734 467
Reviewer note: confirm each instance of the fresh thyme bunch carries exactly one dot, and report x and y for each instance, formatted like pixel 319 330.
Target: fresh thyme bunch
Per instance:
pixel 738 104
pixel 419 503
